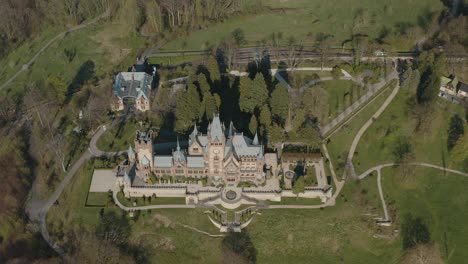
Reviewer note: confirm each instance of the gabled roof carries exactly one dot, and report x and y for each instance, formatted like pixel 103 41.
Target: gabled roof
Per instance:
pixel 463 87
pixel 444 81
pixel 132 84
pixel 242 147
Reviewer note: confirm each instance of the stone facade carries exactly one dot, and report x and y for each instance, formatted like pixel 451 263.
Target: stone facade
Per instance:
pixel 222 155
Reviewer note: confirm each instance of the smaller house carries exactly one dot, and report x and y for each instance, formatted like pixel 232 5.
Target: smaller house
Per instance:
pixel 448 85
pixel 133 86
pixel 453 87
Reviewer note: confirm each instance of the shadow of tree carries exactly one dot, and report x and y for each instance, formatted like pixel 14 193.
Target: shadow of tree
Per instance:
pixel 85 73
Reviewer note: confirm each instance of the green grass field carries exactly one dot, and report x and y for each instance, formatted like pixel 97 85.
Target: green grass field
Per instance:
pixel 302 17
pixel 340 142
pixel 167 61
pixel 428 145
pixel 113 141
pixel 97 199
pixel 102 44
pixel 439 199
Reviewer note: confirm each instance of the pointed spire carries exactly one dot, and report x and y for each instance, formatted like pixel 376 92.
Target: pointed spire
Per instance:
pixel 178 146
pixel 130 151
pixel 194 134
pixel 255 140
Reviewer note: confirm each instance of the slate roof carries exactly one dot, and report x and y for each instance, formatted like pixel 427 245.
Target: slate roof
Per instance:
pixel 163 161
pixel 132 84
pixel 463 87
pixel 242 146
pixel 195 162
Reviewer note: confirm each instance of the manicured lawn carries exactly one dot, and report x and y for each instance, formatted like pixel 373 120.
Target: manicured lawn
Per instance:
pixel 299 18
pixel 97 199
pixel 296 201
pixel 142 202
pixel 340 142
pixel 115 139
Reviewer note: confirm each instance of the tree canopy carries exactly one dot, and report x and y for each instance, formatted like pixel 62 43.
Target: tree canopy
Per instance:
pixel 253 94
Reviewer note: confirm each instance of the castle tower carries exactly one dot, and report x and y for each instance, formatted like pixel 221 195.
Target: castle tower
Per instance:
pixel 144 153
pixel 216 143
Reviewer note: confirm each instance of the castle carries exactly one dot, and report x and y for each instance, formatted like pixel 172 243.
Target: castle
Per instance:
pixel 222 155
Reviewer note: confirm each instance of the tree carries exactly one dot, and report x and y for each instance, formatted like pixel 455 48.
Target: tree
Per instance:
pixel 336 72
pixel 203 84
pixel 279 103
pixel 113 228
pixel 188 108
pixel 213 68
pixel 209 105
pixel 253 125
pixel 428 87
pixel 455 131
pixel 265 116
pixel 56 88
pixel 401 149
pixel 414 231
pixel 253 94
pixel 299 186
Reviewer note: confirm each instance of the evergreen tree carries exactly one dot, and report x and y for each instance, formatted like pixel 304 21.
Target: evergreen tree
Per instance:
pixel 217 100
pixel 213 69
pixel 193 99
pixel 253 94
pixel 188 108
pixel 279 103
pixel 203 83
pixel 299 186
pixel 209 105
pixel 253 125
pixel 456 130
pixel 265 116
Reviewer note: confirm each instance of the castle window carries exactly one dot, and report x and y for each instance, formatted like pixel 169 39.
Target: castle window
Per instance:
pixel 195 149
